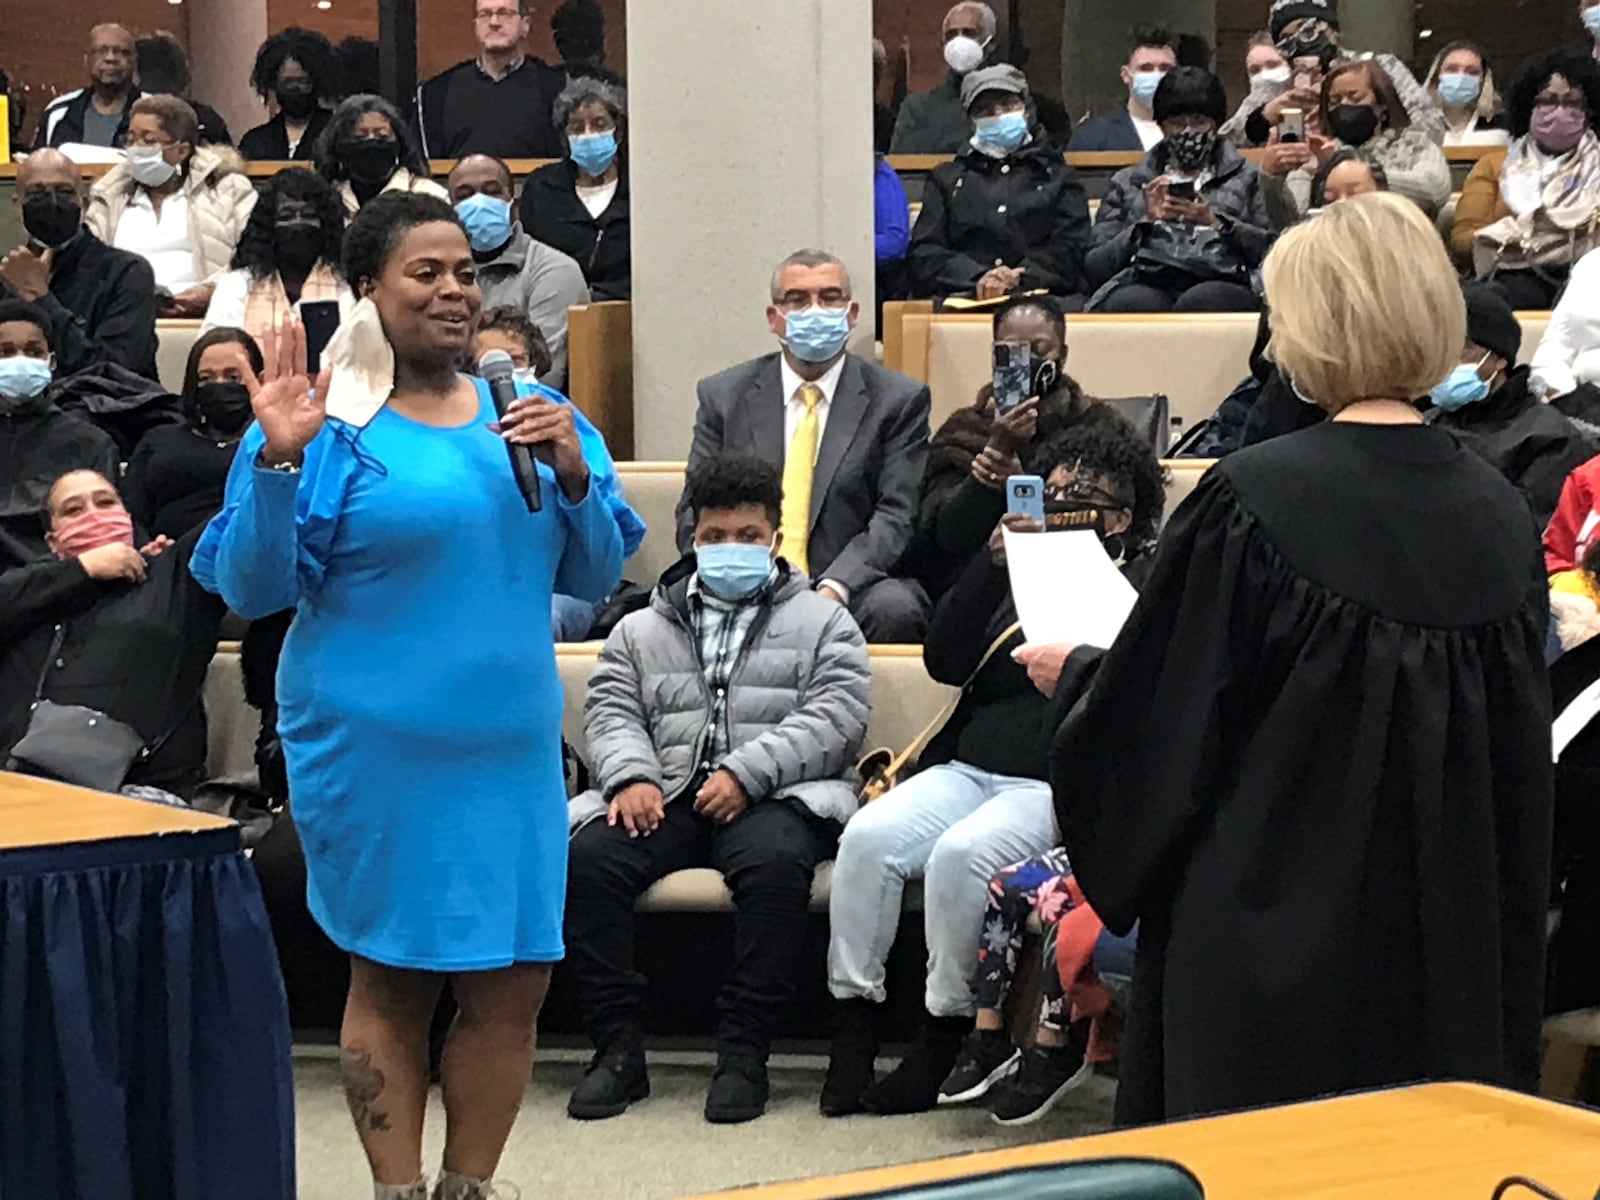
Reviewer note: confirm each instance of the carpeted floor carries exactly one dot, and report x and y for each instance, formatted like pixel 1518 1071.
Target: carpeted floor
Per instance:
pixel 662 1149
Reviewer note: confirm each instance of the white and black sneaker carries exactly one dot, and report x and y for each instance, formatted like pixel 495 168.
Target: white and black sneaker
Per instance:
pixel 1046 1074
pixel 987 1057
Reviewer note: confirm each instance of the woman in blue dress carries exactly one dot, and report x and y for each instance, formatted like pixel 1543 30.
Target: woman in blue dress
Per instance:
pixel 420 709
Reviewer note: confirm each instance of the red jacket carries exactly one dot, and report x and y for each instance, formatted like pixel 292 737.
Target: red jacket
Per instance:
pixel 1575 528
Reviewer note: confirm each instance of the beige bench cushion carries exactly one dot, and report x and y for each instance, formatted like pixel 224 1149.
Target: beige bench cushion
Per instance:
pixel 653 490
pixel 1194 359
pixel 174 340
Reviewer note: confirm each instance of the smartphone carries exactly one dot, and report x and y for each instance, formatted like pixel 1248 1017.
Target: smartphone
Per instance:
pixel 1025 495
pixel 1292 126
pixel 1181 189
pixel 321 318
pixel 1013 375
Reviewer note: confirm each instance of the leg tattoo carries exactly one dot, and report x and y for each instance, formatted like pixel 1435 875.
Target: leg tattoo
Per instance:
pixel 363 1086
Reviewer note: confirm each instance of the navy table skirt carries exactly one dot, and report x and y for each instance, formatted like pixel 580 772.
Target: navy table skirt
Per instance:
pixel 144 1034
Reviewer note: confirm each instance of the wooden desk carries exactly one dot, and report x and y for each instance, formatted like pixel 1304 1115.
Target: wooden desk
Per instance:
pixel 37 812
pixel 1450 1141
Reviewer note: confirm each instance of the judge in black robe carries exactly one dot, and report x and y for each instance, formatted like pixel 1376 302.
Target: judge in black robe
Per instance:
pixel 1316 763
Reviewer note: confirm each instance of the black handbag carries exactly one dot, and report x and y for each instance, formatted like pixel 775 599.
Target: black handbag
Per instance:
pixel 75 744
pixel 1198 253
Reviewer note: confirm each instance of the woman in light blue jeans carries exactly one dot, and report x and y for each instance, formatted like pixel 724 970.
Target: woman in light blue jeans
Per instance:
pixel 984 802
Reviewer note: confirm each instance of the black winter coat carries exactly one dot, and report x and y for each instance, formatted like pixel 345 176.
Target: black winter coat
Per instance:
pixel 1233 190
pixel 38 445
pixel 552 213
pixel 1027 210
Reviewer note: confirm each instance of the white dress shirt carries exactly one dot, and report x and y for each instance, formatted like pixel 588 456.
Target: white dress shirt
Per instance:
pixel 162 240
pixel 794 408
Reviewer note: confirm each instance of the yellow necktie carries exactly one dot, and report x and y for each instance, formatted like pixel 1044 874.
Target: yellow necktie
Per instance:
pixel 799 465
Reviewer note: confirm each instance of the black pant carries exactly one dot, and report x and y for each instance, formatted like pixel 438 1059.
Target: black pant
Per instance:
pixel 1216 296
pixel 1531 290
pixel 767 855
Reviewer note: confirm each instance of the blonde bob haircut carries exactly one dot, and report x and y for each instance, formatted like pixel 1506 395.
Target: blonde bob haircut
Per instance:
pixel 1363 303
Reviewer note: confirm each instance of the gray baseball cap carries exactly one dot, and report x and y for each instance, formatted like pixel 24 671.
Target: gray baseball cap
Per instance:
pixel 1002 77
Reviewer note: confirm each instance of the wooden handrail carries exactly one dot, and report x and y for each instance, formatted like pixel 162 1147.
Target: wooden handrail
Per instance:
pixel 906 164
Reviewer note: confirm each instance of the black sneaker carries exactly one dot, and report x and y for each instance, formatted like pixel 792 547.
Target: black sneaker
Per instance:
pixel 615 1079
pixel 1047 1073
pixel 738 1090
pixel 987 1057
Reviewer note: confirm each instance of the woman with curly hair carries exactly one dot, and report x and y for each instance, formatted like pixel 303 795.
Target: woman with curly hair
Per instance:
pixel 981 798
pixel 287 254
pixel 298 72
pixel 368 148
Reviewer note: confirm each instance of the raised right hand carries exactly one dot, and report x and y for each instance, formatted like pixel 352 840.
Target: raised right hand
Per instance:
pixel 116 561
pixel 289 411
pixel 1305 99
pixel 639 807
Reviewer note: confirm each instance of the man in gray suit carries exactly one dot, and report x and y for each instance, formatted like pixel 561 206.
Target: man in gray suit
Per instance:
pixel 850 437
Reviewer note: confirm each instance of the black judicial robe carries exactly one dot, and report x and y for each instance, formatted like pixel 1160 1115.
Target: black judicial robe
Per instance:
pixel 1316 766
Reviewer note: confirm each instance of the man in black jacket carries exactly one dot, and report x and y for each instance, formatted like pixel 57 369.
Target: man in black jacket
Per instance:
pixel 38 442
pixel 498 103
pixel 100 301
pixel 1008 214
pixel 101 624
pixel 98 114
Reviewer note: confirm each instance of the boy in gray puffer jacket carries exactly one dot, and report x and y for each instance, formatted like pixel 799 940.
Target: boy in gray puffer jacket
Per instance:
pixel 723 724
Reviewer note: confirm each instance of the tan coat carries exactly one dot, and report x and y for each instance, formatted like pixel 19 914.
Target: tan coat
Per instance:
pixel 220 201
pixel 1481 204
pixel 401 181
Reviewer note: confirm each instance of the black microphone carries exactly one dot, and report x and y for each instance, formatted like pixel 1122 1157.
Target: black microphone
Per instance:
pixel 496 367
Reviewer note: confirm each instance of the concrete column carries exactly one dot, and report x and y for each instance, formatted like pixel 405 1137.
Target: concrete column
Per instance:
pixel 1379 26
pixel 223 38
pixel 1094 44
pixel 740 152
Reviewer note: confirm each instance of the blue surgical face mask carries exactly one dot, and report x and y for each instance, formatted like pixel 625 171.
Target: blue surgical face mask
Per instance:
pixel 1461 387
pixel 1144 86
pixel 817 334
pixel 734 570
pixel 22 378
pixel 1004 132
pixel 1460 90
pixel 488 221
pixel 593 152
pixel 1591 21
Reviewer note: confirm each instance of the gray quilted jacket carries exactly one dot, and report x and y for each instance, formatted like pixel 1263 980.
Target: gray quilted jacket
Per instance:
pixel 801 691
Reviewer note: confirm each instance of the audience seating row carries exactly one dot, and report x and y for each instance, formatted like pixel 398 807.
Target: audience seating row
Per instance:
pixel 1194 359
pixel 904 698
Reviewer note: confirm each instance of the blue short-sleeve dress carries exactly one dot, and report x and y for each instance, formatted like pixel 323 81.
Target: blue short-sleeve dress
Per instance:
pixel 419 704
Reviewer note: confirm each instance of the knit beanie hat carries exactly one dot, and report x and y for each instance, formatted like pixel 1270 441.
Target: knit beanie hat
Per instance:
pixel 1491 323
pixel 1284 12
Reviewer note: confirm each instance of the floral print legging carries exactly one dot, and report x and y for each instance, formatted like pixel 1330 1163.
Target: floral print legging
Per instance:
pixel 1038 885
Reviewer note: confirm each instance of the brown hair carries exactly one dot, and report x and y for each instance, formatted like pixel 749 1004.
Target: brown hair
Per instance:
pixel 176 117
pixel 1394 112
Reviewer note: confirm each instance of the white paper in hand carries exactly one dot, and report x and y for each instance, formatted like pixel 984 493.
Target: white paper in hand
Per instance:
pixel 1066 588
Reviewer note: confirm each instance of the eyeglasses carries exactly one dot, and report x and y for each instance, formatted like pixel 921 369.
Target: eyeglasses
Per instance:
pixel 1572 100
pixel 497 14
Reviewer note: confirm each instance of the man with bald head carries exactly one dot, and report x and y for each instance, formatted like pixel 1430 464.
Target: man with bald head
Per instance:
pixel 514 270
pixel 98 114
pixel 934 122
pixel 100 301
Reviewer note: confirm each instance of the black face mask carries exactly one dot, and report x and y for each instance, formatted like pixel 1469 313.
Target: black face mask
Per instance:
pixel 297 102
pixel 222 409
pixel 1314 41
pixel 1353 124
pixel 51 220
pixel 298 245
pixel 369 160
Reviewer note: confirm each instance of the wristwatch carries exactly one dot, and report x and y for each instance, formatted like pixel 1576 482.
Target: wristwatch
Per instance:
pixel 288 468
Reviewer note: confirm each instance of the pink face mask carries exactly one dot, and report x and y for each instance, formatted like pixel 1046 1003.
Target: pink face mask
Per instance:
pixel 93 529
pixel 1557 128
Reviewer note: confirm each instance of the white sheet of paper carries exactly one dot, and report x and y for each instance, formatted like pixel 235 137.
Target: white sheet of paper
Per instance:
pixel 1574 719
pixel 1066 588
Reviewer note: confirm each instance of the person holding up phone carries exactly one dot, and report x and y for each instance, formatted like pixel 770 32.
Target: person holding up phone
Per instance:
pixel 980 446
pixel 1186 229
